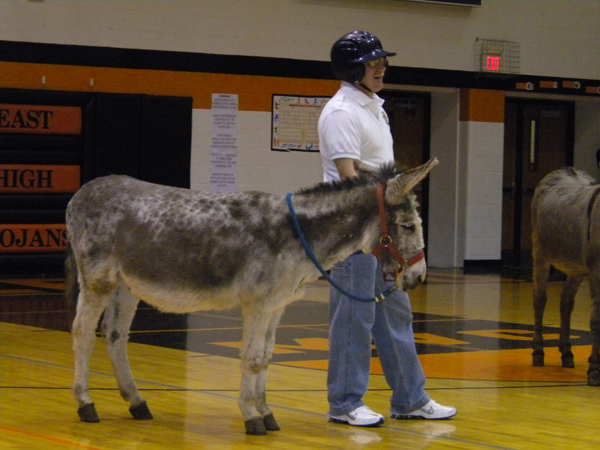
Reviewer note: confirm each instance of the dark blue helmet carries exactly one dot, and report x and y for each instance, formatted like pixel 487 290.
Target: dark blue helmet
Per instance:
pixel 350 53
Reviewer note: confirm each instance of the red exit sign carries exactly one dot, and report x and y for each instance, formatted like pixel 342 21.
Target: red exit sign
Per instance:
pixel 492 63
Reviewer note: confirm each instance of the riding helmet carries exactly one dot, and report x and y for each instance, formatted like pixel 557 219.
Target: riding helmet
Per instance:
pixel 350 53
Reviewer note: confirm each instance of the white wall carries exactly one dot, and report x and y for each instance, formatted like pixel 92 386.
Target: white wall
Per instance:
pixel 258 168
pixel 557 37
pixel 481 151
pixel 443 182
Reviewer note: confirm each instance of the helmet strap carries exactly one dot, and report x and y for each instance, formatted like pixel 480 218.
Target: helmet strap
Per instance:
pixel 364 87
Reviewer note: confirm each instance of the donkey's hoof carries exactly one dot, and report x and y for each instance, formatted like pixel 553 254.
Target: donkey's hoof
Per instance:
pixel 270 423
pixel 568 362
pixel 593 377
pixel 538 361
pixel 256 427
pixel 87 413
pixel 141 412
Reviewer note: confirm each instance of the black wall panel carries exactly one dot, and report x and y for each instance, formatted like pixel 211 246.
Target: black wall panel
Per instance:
pixel 166 128
pixel 117 134
pixel 147 137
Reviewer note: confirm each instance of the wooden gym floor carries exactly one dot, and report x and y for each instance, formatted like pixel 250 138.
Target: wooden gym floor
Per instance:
pixel 473 334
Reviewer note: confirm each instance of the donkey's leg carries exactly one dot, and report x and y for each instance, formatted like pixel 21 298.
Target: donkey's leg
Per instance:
pixel 256 324
pixel 89 309
pixel 567 301
pixel 261 380
pixel 115 327
pixel 594 360
pixel 540 282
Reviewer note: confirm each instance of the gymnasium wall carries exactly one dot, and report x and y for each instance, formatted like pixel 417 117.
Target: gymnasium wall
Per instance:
pixel 254 49
pixel 557 38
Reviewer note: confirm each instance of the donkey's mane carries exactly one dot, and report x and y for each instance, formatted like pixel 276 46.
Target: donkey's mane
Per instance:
pixel 384 172
pixel 568 174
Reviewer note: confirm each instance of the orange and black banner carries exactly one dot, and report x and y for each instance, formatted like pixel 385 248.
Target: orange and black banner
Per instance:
pixel 37 119
pixel 39 179
pixel 33 238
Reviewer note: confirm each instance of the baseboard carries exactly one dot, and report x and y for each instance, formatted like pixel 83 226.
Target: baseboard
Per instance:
pixel 482 265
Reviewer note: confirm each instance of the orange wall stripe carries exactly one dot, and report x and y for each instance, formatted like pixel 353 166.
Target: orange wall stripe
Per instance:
pixel 34 238
pixel 478 105
pixel 36 119
pixel 254 91
pixel 38 179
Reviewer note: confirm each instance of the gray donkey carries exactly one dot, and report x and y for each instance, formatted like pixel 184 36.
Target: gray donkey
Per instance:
pixel 183 251
pixel 566 234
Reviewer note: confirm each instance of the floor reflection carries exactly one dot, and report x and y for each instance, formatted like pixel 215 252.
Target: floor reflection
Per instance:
pixel 447 339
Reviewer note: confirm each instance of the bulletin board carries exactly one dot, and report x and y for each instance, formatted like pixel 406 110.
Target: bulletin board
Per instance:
pixel 294 123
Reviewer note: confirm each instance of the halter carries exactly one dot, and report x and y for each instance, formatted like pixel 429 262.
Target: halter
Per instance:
pixel 385 242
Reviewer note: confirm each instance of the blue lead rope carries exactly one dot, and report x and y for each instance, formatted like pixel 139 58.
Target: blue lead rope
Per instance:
pixel 313 258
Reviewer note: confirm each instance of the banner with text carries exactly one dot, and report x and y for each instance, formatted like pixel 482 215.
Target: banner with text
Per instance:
pixel 32 238
pixel 37 119
pixel 39 179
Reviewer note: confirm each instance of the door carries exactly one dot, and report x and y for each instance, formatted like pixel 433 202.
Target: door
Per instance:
pixel 538 139
pixel 409 114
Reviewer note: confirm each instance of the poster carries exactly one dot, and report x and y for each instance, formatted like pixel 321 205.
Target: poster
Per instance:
pixel 295 119
pixel 223 149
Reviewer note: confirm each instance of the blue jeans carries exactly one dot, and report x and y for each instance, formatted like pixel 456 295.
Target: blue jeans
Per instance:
pixel 354 323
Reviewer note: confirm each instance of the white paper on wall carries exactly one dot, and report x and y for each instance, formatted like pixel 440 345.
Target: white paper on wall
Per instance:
pixel 223 149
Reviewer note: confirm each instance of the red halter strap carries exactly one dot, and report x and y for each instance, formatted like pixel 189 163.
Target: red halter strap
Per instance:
pixel 386 242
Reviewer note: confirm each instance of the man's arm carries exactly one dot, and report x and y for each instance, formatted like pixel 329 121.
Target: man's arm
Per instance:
pixel 345 167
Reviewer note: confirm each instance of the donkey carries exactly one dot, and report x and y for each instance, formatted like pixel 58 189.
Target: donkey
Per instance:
pixel 565 218
pixel 183 251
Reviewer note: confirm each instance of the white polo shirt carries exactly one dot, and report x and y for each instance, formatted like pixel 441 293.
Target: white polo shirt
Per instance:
pixel 354 125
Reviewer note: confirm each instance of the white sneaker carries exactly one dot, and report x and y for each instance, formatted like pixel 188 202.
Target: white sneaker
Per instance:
pixel 431 411
pixel 360 417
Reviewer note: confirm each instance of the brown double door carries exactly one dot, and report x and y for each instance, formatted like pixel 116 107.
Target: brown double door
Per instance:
pixel 409 114
pixel 538 139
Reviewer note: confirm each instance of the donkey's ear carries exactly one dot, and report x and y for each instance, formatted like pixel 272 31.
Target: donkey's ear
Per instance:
pixel 403 183
pixel 364 170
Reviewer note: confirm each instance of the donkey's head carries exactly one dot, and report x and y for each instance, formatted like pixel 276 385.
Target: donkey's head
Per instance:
pixel 403 224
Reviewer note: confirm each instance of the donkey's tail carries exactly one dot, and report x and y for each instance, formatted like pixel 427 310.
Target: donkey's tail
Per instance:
pixel 71 283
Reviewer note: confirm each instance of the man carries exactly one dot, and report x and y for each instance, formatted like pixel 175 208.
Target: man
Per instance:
pixel 353 125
